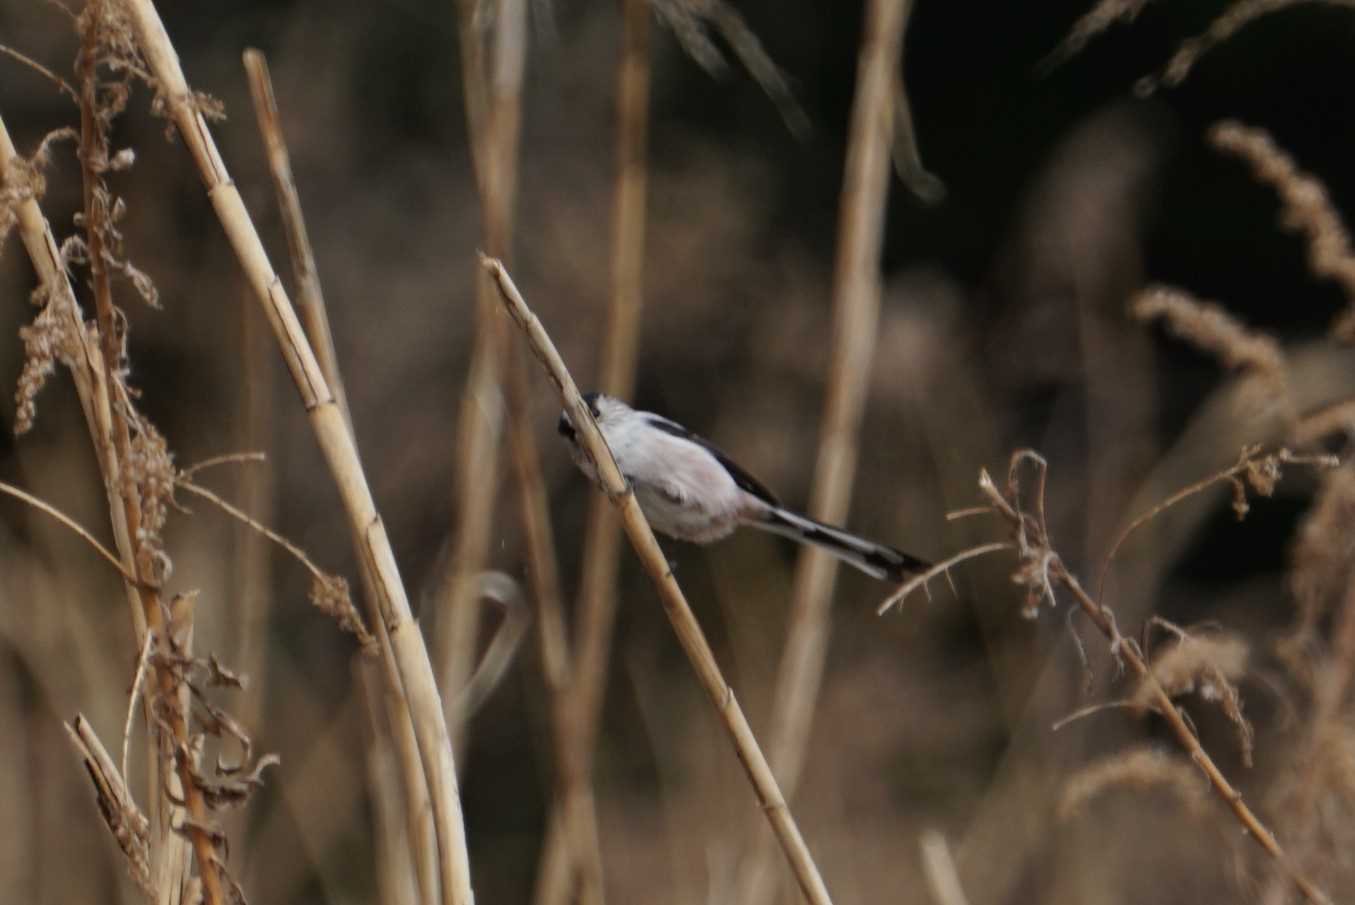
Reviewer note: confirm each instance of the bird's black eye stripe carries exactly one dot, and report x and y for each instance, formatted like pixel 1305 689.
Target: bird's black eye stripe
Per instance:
pixel 592 400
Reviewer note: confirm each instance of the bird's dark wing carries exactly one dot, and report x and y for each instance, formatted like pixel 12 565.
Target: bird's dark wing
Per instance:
pixel 742 478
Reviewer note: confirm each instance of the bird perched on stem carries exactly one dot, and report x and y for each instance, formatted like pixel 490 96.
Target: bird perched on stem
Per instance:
pixel 690 490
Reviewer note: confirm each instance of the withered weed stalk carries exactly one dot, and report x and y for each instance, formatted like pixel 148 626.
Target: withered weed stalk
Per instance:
pixel 185 796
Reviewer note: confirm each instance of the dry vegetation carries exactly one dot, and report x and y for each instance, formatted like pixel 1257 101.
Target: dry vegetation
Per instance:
pixel 1127 679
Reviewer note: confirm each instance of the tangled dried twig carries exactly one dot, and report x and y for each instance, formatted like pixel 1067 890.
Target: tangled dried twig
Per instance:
pixel 1040 570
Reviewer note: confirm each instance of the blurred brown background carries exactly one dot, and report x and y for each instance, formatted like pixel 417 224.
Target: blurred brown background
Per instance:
pixel 1003 326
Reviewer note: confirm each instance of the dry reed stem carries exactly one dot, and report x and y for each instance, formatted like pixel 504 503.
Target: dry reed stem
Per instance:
pixel 399 876
pixel 493 93
pixel 597 584
pixel 310 297
pixel 938 869
pixel 420 819
pixel 597 593
pixel 504 591
pixel 675 605
pixel 256 489
pixel 572 839
pixel 390 605
pixel 138 682
pixel 315 313
pixel 1306 208
pixel 856 311
pixel 1041 569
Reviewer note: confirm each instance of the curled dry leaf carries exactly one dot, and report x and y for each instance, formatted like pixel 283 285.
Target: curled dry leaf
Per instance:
pixel 221 677
pixel 218 723
pixel 235 791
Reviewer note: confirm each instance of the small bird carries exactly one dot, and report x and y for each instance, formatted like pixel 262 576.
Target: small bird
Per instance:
pixel 690 490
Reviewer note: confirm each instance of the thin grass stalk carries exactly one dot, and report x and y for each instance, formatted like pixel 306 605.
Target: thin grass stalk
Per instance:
pixel 399 880
pixel 494 112
pixel 675 605
pixel 856 310
pixel 571 846
pixel 255 490
pixel 420 831
pixel 310 295
pixel 602 539
pixel 597 591
pixel 572 840
pixel 390 604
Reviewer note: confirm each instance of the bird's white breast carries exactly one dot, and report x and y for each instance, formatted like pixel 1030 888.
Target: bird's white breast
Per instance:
pixel 684 491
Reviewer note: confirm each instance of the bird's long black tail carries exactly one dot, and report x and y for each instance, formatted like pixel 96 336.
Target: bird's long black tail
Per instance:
pixel 877 560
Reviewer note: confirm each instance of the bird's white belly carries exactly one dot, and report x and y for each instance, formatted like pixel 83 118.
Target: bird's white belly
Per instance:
pixel 689 520
pixel 694 499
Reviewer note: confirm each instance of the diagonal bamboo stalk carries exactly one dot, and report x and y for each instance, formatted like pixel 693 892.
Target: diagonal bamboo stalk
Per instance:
pixel 675 605
pixel 856 310
pixel 390 605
